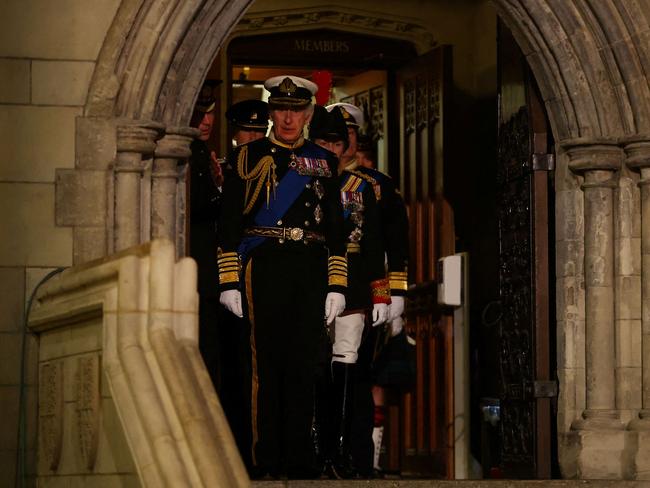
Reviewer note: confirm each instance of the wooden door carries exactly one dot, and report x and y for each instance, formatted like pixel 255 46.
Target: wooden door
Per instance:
pixel 421 422
pixel 524 178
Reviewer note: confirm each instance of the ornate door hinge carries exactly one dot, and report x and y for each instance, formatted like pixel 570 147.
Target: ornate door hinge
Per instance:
pixel 545 389
pixel 543 162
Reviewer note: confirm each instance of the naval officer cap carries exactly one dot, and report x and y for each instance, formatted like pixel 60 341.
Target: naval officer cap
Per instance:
pixel 249 114
pixel 291 91
pixel 352 114
pixel 206 101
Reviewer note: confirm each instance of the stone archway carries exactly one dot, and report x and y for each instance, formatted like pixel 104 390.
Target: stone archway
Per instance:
pixel 590 61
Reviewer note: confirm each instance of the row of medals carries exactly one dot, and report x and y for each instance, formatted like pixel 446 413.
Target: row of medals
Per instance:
pixel 318 188
pixel 356 214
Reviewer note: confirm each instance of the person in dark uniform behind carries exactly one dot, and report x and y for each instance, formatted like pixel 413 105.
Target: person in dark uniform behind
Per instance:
pixel 392 211
pixel 282 264
pixel 366 156
pixel 367 290
pixel 394 224
pixel 249 121
pixel 205 198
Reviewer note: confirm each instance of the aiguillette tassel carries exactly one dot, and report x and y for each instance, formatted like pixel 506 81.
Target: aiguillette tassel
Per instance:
pixel 268 193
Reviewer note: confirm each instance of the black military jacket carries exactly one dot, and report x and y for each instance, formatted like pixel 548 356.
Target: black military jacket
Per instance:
pixel 364 239
pixel 394 227
pixel 316 209
pixel 205 200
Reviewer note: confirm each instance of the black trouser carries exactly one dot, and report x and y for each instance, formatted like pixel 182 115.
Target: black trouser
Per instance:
pixel 223 342
pixel 209 336
pixel 287 285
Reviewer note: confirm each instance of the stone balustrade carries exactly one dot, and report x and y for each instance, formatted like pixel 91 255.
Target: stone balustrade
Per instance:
pixel 124 395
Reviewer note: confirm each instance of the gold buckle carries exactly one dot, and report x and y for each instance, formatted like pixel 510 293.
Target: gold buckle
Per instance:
pixel 296 233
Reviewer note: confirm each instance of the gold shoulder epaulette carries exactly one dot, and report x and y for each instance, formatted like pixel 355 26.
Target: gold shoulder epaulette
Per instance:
pixel 375 184
pixel 352 183
pixel 366 177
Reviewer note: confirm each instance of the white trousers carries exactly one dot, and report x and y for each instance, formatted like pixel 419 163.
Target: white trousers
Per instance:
pixel 346 337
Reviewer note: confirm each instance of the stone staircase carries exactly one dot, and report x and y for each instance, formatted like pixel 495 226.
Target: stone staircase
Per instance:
pixel 395 483
pixel 124 396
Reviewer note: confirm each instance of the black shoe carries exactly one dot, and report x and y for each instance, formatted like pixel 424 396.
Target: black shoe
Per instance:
pixel 263 473
pixel 303 473
pixel 342 465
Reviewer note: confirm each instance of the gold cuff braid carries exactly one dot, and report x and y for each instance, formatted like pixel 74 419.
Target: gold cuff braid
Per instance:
pixel 398 280
pixel 337 271
pixel 229 267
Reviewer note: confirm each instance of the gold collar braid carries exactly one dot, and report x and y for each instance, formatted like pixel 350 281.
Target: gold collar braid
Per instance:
pixel 263 172
pixel 299 142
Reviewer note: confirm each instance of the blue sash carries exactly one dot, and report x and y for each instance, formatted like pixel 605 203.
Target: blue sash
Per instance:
pixel 288 190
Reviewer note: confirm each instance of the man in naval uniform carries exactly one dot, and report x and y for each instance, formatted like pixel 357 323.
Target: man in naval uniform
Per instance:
pixel 282 263
pixel 367 290
pixel 394 225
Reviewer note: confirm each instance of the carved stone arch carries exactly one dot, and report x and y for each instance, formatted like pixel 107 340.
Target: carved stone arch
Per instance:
pixel 587 60
pixel 337 18
pixel 155 56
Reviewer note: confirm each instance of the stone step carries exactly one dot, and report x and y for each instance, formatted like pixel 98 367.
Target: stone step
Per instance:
pixel 451 484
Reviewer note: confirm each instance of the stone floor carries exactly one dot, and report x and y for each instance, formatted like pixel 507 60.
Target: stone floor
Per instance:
pixel 451 484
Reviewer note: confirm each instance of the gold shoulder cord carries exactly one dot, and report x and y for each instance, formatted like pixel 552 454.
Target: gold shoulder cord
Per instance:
pixel 263 172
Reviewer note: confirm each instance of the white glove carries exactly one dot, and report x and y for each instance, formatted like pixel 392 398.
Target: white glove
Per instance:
pixel 231 299
pixel 396 326
pixel 334 305
pixel 396 307
pixel 379 313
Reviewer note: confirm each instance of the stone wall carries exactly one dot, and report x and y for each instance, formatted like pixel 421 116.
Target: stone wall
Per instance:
pixel 47 56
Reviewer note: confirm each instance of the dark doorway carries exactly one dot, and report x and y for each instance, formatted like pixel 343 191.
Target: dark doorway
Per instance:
pixel 440 145
pixel 521 317
pixel 405 100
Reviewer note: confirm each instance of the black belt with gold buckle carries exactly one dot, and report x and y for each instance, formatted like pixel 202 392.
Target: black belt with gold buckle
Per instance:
pixel 285 233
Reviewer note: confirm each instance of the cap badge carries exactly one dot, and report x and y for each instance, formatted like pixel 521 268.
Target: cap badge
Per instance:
pixel 253 116
pixel 287 86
